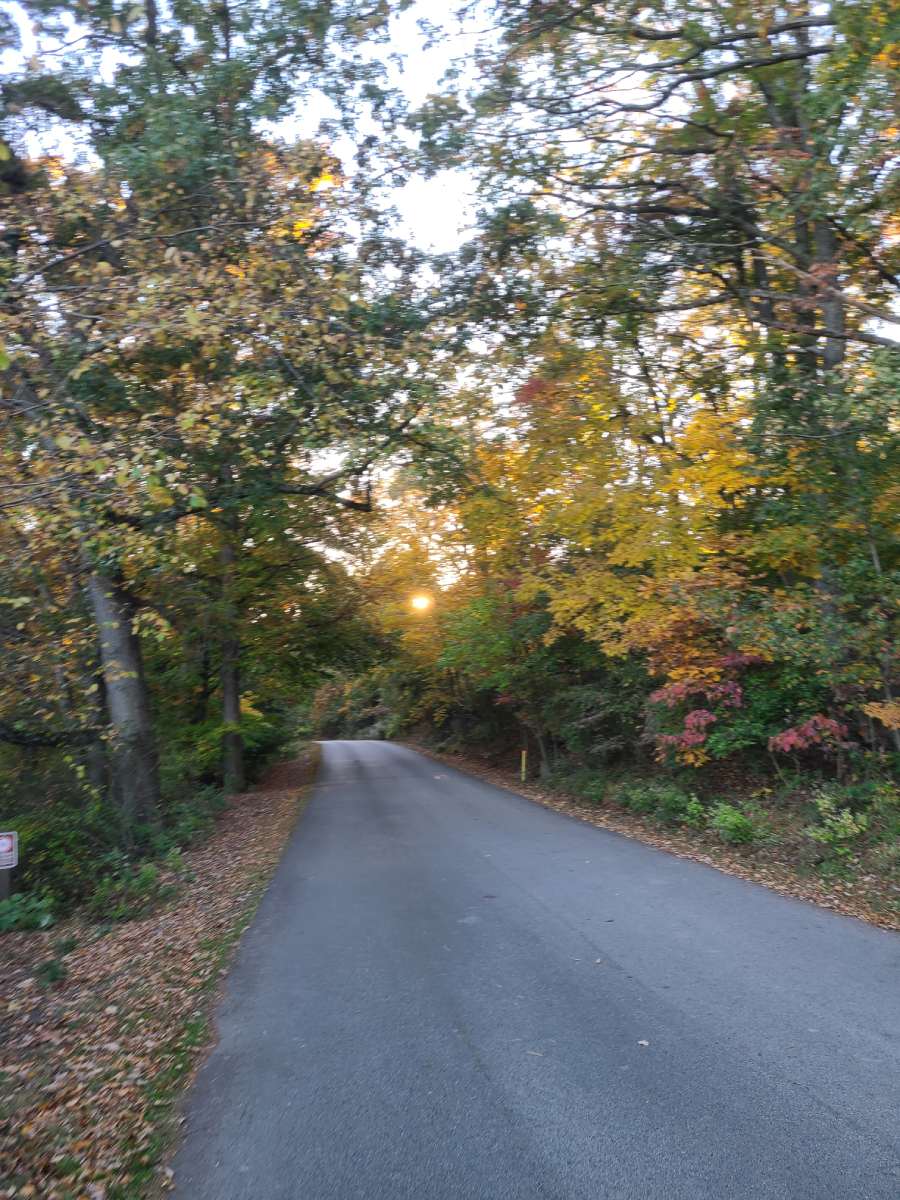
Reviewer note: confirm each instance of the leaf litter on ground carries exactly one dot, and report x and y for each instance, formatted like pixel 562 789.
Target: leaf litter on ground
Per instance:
pixel 93 1060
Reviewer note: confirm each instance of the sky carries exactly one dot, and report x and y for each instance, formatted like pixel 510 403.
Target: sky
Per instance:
pixel 434 213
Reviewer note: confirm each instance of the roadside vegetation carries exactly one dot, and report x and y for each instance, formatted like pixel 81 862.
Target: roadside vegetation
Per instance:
pixel 106 1013
pixel 792 826
pixel 614 482
pixel 672 576
pixel 211 343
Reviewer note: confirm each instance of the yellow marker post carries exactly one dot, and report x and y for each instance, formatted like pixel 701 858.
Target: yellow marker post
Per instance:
pixel 524 768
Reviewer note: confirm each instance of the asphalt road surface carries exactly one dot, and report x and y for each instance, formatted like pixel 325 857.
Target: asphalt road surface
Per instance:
pixel 451 993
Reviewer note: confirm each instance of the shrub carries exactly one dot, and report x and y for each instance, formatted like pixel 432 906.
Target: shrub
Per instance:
pixel 886 857
pixel 672 804
pixel 638 797
pixel 129 892
pixel 695 814
pixel 192 756
pixel 583 782
pixel 26 912
pixel 732 825
pixel 327 712
pixel 818 731
pixel 59 846
pixel 886 813
pixel 175 862
pixel 839 826
pixel 665 800
pixel 52 971
pixel 187 818
pixel 594 790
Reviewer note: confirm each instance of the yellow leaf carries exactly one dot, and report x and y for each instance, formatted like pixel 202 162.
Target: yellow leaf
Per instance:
pixel 885 711
pixel 325 180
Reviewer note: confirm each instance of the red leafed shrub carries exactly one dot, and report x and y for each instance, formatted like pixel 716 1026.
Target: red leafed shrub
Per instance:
pixel 725 692
pixel 819 730
pixel 699 719
pixel 738 659
pixel 694 732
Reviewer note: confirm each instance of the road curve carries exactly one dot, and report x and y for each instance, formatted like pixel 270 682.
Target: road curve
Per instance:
pixel 451 993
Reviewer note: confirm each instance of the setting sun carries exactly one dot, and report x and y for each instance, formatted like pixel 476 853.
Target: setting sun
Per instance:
pixel 420 602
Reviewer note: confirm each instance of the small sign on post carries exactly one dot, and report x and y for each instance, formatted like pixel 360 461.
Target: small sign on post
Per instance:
pixel 9 859
pixel 9 851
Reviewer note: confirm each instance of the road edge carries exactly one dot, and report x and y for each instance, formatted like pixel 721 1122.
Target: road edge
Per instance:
pixel 196 1050
pixel 776 877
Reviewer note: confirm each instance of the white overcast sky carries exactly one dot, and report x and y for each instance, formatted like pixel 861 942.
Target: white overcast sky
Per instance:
pixel 435 213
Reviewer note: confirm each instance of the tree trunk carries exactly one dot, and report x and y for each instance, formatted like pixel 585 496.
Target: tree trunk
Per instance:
pixel 201 704
pixel 96 757
pixel 832 304
pixel 542 752
pixel 132 750
pixel 232 740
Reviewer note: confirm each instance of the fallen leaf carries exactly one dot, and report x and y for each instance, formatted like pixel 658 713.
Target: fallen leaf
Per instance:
pixel 83 1061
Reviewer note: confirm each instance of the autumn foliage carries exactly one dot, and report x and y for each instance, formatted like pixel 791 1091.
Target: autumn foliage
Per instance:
pixel 637 436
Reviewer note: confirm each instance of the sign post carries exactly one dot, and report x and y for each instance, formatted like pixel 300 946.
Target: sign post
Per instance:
pixel 523 770
pixel 9 860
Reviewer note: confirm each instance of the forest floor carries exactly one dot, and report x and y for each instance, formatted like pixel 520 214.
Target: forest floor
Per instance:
pixel 102 1025
pixel 778 862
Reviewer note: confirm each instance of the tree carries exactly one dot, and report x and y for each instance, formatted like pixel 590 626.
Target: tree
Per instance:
pixel 687 248
pixel 194 325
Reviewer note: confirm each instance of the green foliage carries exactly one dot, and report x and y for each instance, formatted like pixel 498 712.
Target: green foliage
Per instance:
pixel 640 443
pixel 23 911
pixel 51 971
pixel 595 790
pixel 187 818
pixel 885 806
pixel 69 842
pixel 733 826
pixel 695 814
pixel 584 782
pixel 355 708
pixel 674 805
pixel 201 745
pixel 664 800
pixel 639 797
pixel 128 892
pixel 714 509
pixel 242 320
pixel 61 843
pixel 773 698
pixel 594 718
pixel 839 827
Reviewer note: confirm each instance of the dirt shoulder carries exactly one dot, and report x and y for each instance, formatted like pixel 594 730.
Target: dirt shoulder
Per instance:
pixel 869 898
pixel 101 1026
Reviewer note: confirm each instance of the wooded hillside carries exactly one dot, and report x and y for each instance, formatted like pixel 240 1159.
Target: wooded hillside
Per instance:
pixel 635 441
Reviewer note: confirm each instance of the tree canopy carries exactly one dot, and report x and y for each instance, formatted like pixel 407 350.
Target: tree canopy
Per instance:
pixel 636 438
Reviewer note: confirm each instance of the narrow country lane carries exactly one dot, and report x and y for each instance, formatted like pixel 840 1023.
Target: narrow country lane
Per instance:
pixel 450 993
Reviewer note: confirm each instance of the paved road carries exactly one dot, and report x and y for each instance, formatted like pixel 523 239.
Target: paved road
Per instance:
pixel 450 993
